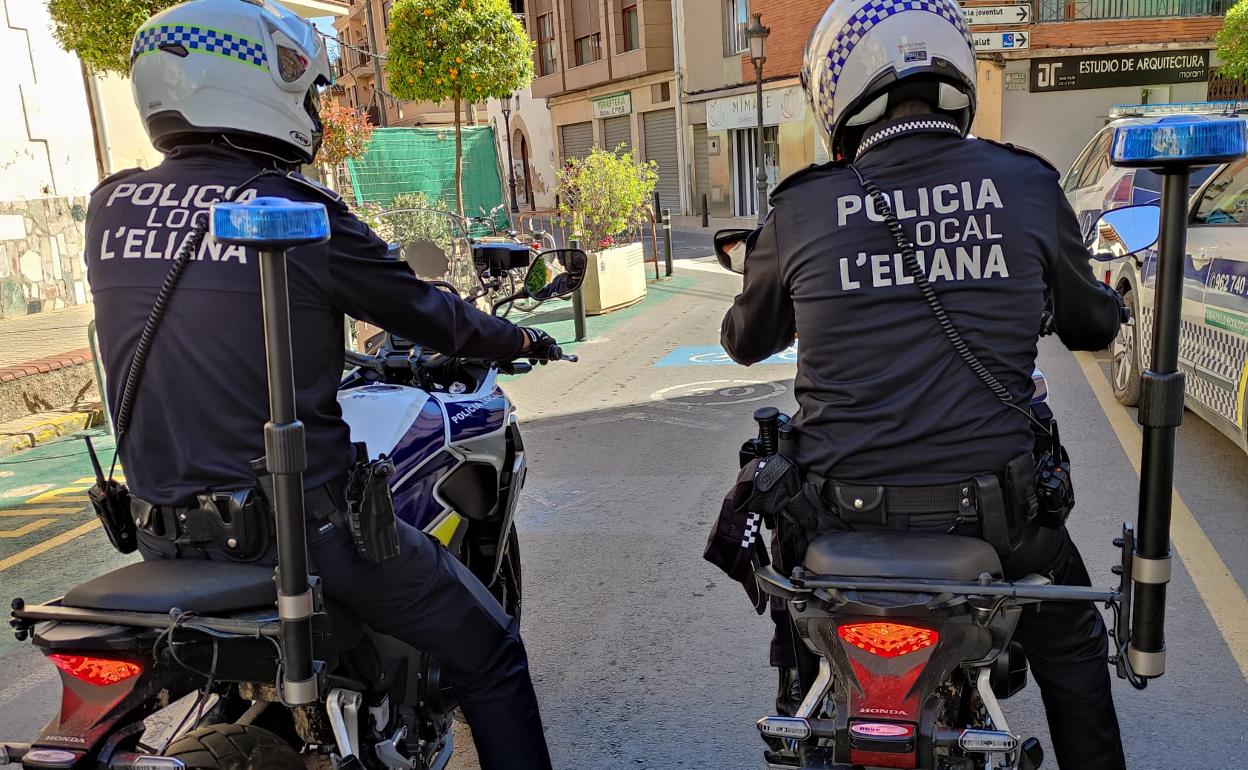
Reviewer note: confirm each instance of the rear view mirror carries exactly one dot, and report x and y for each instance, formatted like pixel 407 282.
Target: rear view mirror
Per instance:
pixel 1126 231
pixel 730 249
pixel 553 274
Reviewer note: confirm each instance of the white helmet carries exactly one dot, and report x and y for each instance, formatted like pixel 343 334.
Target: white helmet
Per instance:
pixel 862 52
pixel 245 69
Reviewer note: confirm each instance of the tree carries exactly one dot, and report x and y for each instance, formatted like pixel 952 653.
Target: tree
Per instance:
pixel 606 194
pixel 456 50
pixel 346 134
pixel 102 31
pixel 1233 42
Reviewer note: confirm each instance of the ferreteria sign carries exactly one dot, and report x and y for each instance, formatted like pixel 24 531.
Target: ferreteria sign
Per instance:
pixel 613 105
pixel 1068 73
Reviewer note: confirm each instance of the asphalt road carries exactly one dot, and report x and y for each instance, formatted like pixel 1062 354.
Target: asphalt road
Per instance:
pixel 644 656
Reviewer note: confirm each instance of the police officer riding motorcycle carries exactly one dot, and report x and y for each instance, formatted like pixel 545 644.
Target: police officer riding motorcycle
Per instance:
pixel 919 268
pixel 228 91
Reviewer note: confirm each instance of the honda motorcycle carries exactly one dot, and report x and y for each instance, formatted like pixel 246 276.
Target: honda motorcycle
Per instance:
pixel 166 666
pixel 912 633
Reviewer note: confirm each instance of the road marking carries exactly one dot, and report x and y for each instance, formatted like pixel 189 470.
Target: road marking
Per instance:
pixel 714 355
pixel 47 545
pixel 1218 589
pixel 26 529
pixel 42 511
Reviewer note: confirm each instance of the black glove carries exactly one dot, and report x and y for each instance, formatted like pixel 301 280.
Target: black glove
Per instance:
pixel 542 347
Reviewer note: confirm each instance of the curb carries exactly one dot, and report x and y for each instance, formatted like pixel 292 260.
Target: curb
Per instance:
pixel 39 429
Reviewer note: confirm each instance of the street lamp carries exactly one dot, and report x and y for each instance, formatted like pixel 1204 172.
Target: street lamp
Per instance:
pixel 509 103
pixel 757 35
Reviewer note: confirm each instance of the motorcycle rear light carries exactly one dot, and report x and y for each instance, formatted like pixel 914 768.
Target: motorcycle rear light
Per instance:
pixel 100 672
pixel 888 640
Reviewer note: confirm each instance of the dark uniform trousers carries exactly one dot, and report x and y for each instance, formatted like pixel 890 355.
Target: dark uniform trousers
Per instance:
pixel 428 599
pixel 1066 645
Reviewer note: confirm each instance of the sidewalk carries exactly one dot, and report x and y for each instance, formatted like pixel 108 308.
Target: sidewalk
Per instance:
pixel 47 378
pixel 43 335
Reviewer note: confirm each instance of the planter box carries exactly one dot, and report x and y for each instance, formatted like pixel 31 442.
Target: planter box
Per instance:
pixel 616 278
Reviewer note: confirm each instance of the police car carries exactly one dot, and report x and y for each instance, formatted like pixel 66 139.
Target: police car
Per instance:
pixel 1213 347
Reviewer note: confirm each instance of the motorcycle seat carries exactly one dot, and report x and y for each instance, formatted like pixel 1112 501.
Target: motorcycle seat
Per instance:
pixel 891 554
pixel 192 585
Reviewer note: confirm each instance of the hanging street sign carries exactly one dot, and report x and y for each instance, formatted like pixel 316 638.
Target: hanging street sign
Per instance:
pixel 1001 41
pixel 979 15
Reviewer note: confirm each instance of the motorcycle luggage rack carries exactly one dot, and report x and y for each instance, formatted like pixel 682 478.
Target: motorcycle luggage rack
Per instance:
pixel 24 617
pixel 773 583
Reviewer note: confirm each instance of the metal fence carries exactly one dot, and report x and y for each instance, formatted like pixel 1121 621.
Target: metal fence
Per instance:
pixel 1078 10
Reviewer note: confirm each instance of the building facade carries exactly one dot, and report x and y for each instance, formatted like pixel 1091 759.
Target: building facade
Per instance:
pixel 1083 58
pixel 1086 57
pixel 604 69
pixel 360 76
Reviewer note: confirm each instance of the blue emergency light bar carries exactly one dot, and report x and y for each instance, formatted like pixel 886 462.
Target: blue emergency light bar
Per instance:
pixel 1180 141
pixel 1177 108
pixel 270 223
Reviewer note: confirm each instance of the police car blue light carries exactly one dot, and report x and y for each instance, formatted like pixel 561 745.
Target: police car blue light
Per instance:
pixel 270 223
pixel 1182 140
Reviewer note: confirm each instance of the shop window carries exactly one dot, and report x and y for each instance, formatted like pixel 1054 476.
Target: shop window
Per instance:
pixel 588 49
pixel 546 63
pixel 736 19
pixel 632 28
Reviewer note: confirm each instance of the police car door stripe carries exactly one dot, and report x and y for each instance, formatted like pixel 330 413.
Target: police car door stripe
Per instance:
pixel 227 45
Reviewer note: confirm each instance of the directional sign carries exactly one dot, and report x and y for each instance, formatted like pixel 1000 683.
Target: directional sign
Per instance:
pixel 978 15
pixel 1001 41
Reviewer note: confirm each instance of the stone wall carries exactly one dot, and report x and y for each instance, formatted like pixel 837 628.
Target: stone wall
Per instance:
pixel 41 262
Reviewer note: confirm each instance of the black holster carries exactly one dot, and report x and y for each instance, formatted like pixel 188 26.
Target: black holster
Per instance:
pixel 239 523
pixel 370 508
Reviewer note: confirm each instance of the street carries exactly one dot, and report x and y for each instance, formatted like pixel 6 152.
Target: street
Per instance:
pixel 644 655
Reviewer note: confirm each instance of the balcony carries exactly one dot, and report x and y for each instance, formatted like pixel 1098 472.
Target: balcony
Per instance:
pixel 1084 10
pixel 361 61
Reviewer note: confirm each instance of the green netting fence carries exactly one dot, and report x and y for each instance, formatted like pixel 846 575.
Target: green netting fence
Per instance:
pixel 404 161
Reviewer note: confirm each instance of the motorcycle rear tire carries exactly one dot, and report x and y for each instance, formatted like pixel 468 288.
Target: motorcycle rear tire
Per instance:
pixel 234 747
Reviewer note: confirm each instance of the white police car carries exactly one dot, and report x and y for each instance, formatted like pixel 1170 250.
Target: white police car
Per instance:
pixel 1213 345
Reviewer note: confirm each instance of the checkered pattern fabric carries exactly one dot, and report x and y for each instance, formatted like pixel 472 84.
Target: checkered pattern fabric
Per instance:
pixel 1218 357
pixel 861 22
pixel 200 40
pixel 902 129
pixel 752 525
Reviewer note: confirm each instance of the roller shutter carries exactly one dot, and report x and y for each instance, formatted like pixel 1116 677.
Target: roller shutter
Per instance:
pixel 617 131
pixel 576 140
pixel 660 128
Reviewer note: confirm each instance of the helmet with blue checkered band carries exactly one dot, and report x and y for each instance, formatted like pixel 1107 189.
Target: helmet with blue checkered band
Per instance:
pixel 244 70
pixel 865 56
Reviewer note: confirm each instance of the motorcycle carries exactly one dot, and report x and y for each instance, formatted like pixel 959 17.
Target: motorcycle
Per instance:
pixel 912 634
pixel 183 665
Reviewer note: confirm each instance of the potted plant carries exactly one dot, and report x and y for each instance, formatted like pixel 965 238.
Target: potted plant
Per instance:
pixel 604 202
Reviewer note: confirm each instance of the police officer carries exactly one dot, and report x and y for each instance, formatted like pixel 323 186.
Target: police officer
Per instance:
pixel 884 399
pixel 228 91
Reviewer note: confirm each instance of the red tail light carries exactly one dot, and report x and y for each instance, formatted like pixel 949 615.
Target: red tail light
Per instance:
pixel 100 672
pixel 888 640
pixel 1121 194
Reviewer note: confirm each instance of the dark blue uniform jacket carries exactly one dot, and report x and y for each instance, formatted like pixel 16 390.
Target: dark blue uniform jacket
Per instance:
pixel 203 401
pixel 883 397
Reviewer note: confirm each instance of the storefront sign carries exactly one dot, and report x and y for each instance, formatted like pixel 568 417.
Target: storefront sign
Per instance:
pixel 977 15
pixel 613 105
pixel 1001 41
pixel 780 105
pixel 1067 73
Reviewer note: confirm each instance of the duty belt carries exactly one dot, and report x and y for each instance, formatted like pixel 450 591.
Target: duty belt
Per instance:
pixel 978 500
pixel 240 523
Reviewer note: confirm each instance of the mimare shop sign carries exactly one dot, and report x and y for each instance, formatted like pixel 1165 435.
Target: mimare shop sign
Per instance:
pixel 1146 68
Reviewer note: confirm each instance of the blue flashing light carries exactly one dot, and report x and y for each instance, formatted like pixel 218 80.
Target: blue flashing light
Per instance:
pixel 272 223
pixel 1180 140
